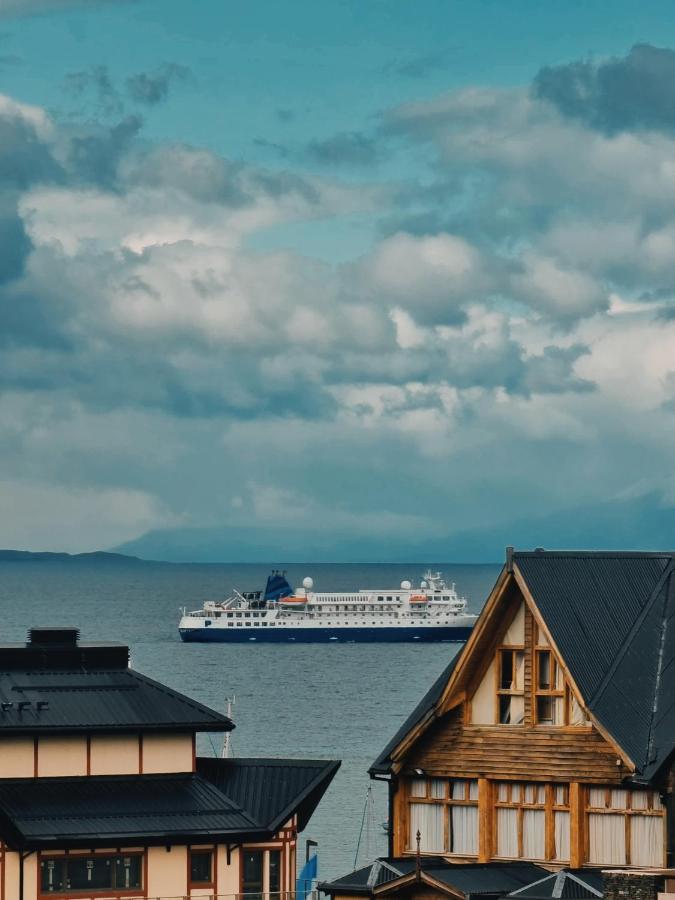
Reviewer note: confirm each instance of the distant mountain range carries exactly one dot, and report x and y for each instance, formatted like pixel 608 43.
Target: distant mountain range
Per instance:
pixel 44 556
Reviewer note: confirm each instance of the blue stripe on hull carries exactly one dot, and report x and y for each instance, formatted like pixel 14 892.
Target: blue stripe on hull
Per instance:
pixel 324 635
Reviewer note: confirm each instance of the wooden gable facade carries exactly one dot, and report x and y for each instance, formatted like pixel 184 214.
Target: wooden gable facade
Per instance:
pixel 508 762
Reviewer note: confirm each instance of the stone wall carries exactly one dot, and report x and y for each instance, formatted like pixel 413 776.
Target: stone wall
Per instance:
pixel 631 885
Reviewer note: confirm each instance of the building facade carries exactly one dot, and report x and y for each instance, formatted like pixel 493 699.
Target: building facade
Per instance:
pixel 550 737
pixel 102 794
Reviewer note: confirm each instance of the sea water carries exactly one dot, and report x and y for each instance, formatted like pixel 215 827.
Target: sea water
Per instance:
pixel 319 701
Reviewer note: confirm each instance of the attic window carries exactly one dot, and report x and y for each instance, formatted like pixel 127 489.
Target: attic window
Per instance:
pixel 510 687
pixel 555 703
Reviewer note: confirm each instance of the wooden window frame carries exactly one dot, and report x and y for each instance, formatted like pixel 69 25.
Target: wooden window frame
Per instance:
pixel 628 813
pixel 549 806
pixel 508 692
pixel 89 892
pixel 447 801
pixel 196 885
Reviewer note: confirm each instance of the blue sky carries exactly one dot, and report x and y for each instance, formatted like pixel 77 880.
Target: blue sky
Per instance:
pixel 403 271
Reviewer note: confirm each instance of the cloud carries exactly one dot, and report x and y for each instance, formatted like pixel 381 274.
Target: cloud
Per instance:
pixel 351 148
pixel 620 93
pixel 420 66
pixel 151 88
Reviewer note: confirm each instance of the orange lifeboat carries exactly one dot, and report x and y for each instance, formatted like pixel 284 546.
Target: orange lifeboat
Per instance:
pixel 419 598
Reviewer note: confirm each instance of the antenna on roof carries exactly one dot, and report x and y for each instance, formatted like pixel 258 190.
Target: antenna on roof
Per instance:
pixel 227 752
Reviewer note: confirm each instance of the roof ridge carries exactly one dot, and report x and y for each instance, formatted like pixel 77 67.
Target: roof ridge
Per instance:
pixel 670 592
pixel 637 624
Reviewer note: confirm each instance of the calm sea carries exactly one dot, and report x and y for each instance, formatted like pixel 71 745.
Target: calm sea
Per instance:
pixel 334 701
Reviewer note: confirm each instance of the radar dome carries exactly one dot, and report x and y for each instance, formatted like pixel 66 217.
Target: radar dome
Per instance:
pixel 308 583
pixel 423 584
pixel 405 585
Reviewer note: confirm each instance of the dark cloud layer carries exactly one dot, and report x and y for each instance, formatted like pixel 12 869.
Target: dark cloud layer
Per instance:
pixel 151 88
pixel 352 148
pixel 635 91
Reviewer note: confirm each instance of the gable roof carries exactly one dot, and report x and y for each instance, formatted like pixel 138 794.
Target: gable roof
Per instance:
pixel 390 873
pixel 567 884
pixel 612 617
pixel 92 811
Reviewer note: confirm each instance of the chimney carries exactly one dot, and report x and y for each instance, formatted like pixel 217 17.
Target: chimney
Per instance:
pixel 509 559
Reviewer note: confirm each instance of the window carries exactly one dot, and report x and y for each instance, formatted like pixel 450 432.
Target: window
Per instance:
pixel 624 827
pixel 275 872
pixel 64 875
pixel 523 817
pixel 510 684
pixel 252 874
pixel 445 812
pixel 201 867
pixel 555 703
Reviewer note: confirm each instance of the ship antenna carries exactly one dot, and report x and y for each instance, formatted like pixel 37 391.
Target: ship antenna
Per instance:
pixel 227 752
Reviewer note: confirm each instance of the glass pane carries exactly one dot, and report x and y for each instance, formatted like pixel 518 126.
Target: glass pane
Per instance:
pixel 473 790
pixel 541 793
pixel 561 795
pixel 561 828
pixel 428 819
pixel 506 669
pixel 128 872
pixel 656 801
pixel 253 873
pixel 607 839
pixel 618 799
pixel 507 832
pixel 275 871
pixel 418 787
pixel 529 793
pixel 438 788
pixel 464 830
pixel 558 679
pixel 502 791
pixel 511 709
pixel 639 799
pixel 597 798
pixel 200 866
pixel 646 841
pixel 520 671
pixel 89 873
pixel 52 875
pixel 577 716
pixel 545 710
pixel 458 790
pixel 544 679
pixel 516 791
pixel 534 834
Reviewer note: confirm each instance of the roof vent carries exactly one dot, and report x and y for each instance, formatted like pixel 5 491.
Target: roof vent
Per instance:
pixel 54 636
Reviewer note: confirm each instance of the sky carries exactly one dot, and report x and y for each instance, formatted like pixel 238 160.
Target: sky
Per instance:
pixel 358 279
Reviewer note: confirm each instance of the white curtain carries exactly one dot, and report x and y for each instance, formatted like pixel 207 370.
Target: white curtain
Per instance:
pixel 438 788
pixel 502 791
pixel 561 828
pixel 517 710
pixel 596 798
pixel 473 790
pixel 618 798
pixel 507 832
pixel 515 792
pixel 464 821
pixel 607 839
pixel 646 840
pixel 458 790
pixel 577 716
pixel 519 673
pixel 418 787
pixel 560 795
pixel 427 818
pixel 639 799
pixel 534 834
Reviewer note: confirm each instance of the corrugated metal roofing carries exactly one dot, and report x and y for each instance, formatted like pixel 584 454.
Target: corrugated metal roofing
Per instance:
pixel 71 701
pixel 466 878
pixel 382 764
pixel 577 884
pixel 90 811
pixel 271 789
pixel 608 614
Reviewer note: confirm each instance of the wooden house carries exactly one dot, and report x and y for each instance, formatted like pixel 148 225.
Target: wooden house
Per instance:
pixel 551 736
pixel 102 794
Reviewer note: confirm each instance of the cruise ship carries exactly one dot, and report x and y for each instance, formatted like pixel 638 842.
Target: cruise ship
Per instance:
pixel 433 611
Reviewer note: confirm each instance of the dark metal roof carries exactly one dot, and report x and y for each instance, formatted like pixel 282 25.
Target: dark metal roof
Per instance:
pixel 567 884
pixel 97 810
pixel 272 790
pixel 465 878
pixel 382 764
pixel 608 614
pixel 60 701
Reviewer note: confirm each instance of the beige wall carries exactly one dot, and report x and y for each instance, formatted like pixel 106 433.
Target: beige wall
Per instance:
pixel 61 756
pixel 515 634
pixel 228 876
pixel 167 753
pixel 114 755
pixel 483 701
pixel 17 757
pixel 167 872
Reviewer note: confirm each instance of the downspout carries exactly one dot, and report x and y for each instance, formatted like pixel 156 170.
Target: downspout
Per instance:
pixel 22 856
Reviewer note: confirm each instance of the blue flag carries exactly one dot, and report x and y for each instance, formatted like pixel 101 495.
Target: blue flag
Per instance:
pixel 307 877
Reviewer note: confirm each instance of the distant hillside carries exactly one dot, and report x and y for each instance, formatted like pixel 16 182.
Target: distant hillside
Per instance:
pixel 44 556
